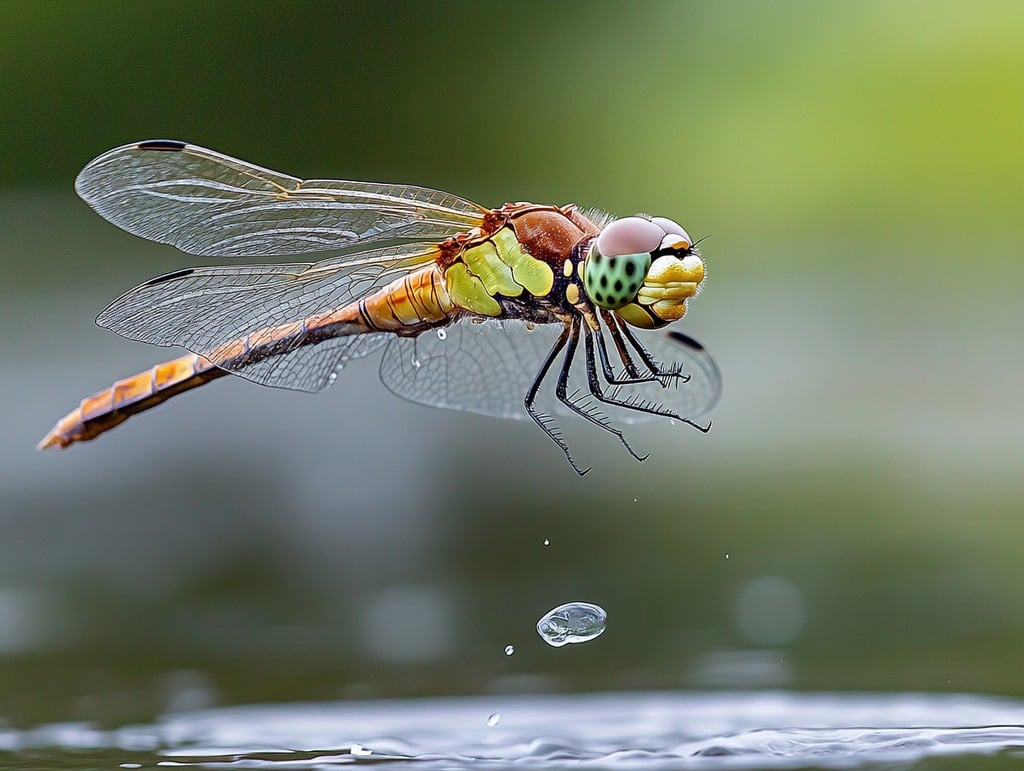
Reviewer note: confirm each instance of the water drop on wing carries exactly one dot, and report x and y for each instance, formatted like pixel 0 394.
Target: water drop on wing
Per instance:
pixel 442 333
pixel 509 650
pixel 493 719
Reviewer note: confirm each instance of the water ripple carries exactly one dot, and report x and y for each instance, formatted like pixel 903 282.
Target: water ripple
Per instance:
pixel 643 731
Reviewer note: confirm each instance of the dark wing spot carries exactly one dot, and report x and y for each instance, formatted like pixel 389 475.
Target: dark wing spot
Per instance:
pixel 686 340
pixel 604 281
pixel 599 298
pixel 612 262
pixel 597 257
pixel 630 268
pixel 162 144
pixel 618 285
pixel 173 275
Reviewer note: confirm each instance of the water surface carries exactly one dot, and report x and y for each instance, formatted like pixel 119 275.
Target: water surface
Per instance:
pixel 614 730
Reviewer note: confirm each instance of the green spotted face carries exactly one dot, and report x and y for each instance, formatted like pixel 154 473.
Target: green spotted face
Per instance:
pixel 613 281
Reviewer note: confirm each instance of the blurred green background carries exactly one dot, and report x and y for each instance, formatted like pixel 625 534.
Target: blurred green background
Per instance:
pixel 853 521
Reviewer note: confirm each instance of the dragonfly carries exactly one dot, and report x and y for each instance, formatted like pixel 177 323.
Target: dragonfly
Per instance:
pixel 526 311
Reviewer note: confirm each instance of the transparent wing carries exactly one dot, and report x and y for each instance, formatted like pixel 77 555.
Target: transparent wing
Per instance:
pixel 488 368
pixel 484 368
pixel 205 310
pixel 207 203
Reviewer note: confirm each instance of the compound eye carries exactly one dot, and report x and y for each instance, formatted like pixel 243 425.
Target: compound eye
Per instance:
pixel 672 228
pixel 630 235
pixel 669 226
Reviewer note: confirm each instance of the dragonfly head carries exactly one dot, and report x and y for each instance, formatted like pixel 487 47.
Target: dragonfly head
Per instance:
pixel 644 269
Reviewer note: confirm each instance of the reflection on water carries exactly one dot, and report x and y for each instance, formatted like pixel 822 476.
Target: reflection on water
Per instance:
pixel 634 730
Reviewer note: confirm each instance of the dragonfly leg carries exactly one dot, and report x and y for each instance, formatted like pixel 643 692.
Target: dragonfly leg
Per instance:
pixel 546 422
pixel 620 334
pixel 633 374
pixel 587 412
pixel 624 357
pixel 635 402
pixel 673 372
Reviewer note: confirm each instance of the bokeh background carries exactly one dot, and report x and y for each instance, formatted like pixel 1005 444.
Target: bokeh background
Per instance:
pixel 854 521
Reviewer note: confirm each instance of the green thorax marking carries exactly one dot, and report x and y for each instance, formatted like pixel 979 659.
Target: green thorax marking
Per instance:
pixel 534 276
pixel 496 266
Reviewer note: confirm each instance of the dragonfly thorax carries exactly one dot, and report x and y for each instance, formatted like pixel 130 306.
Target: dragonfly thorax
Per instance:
pixel 644 269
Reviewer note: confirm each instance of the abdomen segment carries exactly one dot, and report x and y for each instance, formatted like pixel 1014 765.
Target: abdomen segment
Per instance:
pixel 111 407
pixel 407 306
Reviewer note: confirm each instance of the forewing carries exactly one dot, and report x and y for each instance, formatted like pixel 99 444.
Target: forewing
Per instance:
pixel 207 203
pixel 488 368
pixel 206 309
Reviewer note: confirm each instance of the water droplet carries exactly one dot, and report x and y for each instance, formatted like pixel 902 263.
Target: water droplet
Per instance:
pixel 727 556
pixel 574 622
pixel 509 650
pixel 332 377
pixel 530 326
pixel 442 334
pixel 547 542
pixel 415 362
pixel 493 719
pixel 634 500
pixel 360 750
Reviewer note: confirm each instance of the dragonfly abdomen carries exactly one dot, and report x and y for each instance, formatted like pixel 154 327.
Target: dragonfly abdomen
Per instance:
pixel 114 405
pixel 407 306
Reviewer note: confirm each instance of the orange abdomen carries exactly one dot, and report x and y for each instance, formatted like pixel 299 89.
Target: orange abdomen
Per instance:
pixel 407 306
pixel 112 406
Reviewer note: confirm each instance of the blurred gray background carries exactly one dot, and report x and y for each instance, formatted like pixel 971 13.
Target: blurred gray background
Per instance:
pixel 853 521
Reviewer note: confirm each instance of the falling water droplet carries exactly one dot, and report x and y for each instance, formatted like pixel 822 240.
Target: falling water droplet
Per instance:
pixel 509 650
pixel 634 500
pixel 442 334
pixel 493 719
pixel 574 622
pixel 547 542
pixel 727 555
